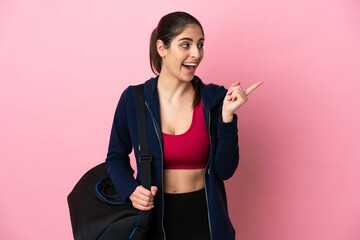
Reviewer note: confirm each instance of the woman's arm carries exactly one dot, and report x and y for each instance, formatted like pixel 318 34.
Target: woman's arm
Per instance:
pixel 118 161
pixel 227 149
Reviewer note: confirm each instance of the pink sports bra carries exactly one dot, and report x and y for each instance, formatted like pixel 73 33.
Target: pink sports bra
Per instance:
pixel 189 150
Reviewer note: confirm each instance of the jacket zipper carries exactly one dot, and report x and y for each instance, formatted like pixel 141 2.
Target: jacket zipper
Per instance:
pixel 162 169
pixel 207 170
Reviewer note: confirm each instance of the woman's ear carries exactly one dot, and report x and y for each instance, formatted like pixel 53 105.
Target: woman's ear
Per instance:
pixel 161 48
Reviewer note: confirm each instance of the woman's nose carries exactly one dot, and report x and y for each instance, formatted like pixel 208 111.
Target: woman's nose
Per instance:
pixel 195 52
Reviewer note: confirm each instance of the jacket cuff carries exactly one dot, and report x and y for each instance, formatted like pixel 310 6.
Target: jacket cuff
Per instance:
pixel 227 129
pixel 128 188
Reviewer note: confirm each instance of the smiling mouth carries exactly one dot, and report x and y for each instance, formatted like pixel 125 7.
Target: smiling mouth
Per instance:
pixel 190 66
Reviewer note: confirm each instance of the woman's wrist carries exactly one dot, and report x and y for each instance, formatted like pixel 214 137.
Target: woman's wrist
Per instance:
pixel 227 117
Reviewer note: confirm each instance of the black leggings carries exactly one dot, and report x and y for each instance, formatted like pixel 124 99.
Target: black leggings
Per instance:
pixel 186 216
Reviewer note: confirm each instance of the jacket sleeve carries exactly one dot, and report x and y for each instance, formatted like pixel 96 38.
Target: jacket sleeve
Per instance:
pixel 227 148
pixel 117 160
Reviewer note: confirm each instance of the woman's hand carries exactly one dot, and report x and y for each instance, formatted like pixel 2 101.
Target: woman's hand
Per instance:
pixel 235 97
pixel 142 198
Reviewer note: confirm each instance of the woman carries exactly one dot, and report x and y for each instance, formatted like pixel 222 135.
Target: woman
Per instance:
pixel 192 133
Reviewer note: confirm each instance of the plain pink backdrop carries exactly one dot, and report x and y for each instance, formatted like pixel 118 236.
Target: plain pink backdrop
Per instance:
pixel 64 64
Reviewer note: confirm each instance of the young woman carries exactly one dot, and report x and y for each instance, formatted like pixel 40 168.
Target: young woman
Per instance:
pixel 192 134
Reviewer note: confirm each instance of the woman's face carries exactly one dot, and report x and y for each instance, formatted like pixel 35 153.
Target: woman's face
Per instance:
pixel 184 55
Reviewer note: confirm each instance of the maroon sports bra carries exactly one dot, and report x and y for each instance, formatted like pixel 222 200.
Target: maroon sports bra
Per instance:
pixel 189 150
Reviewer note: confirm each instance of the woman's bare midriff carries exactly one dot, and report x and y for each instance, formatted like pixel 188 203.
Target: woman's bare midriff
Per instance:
pixel 183 180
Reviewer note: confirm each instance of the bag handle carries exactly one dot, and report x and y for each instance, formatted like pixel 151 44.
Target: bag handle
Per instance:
pixel 102 188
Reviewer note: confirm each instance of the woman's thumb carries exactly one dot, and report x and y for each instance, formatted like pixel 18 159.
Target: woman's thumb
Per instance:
pixel 153 190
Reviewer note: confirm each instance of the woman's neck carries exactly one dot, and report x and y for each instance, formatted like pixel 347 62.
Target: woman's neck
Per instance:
pixel 173 89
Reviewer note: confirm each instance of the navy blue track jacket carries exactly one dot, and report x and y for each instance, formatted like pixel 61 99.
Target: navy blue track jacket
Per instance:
pixel 222 163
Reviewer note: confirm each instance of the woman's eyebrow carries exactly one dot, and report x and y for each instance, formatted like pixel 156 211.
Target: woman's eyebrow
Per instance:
pixel 190 39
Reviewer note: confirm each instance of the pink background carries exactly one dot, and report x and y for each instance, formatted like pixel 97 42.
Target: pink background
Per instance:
pixel 64 64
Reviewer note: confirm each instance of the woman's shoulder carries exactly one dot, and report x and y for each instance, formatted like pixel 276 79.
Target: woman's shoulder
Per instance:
pixel 148 87
pixel 212 89
pixel 129 90
pixel 211 93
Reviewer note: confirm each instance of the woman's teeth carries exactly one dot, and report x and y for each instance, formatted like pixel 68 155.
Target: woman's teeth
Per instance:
pixel 190 65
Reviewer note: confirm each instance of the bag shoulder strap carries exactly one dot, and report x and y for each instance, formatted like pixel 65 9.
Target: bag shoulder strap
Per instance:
pixel 145 159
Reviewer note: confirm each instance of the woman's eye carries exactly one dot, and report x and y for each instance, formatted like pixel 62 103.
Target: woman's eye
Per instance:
pixel 187 45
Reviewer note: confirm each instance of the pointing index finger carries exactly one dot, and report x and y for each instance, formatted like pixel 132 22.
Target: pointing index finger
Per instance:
pixel 253 87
